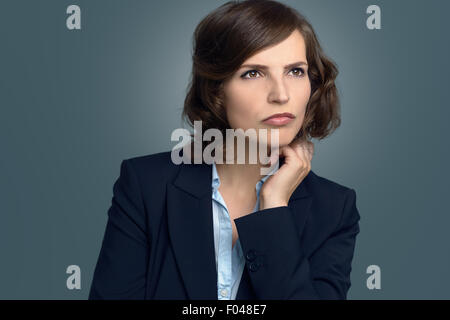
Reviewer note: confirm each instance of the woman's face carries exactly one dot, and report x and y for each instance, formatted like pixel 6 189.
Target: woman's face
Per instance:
pixel 280 84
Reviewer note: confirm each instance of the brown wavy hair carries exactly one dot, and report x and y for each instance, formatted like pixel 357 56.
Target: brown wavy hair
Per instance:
pixel 235 31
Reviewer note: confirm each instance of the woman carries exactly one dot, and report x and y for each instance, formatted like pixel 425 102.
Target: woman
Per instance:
pixel 223 230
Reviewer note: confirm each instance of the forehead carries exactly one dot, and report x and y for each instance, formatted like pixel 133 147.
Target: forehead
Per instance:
pixel 291 49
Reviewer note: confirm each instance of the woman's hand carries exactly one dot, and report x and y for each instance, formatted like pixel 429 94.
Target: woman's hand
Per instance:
pixel 278 188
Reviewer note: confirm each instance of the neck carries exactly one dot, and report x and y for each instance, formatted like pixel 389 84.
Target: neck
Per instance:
pixel 237 176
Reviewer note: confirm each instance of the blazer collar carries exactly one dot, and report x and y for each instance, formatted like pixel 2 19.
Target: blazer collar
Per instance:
pixel 196 179
pixel 190 223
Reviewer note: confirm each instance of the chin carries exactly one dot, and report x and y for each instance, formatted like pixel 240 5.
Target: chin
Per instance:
pixel 286 136
pixel 284 141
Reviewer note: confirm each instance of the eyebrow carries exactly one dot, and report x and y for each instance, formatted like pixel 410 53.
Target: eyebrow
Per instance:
pixel 260 66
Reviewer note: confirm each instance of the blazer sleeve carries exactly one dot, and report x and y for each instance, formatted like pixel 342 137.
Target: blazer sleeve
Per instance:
pixel 278 267
pixel 120 272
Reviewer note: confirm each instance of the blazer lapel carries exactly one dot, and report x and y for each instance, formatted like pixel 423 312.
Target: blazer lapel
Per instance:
pixel 190 223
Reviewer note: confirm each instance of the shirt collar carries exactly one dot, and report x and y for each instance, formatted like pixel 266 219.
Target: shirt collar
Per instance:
pixel 216 180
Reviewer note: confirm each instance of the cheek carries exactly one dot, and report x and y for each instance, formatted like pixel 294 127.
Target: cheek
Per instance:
pixel 241 108
pixel 301 101
pixel 302 98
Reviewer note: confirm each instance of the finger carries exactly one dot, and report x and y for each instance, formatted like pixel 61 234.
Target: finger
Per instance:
pixel 305 154
pixel 295 144
pixel 297 154
pixel 274 156
pixel 290 156
pixel 310 149
pixel 301 150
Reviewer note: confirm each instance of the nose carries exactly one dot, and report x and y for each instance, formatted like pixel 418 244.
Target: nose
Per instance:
pixel 278 92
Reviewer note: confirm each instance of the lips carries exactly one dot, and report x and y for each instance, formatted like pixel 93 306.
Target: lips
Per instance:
pixel 280 115
pixel 279 119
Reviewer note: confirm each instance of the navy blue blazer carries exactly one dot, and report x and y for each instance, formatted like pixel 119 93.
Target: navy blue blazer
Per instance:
pixel 159 241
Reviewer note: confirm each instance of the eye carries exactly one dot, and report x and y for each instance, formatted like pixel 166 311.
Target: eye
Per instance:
pixel 301 70
pixel 249 72
pixel 298 72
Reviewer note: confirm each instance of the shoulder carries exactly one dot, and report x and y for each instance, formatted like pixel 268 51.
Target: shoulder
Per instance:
pixel 153 167
pixel 331 196
pixel 335 202
pixel 161 160
pixel 323 187
pixel 146 177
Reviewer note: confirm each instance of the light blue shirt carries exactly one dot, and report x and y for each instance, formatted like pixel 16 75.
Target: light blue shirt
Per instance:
pixel 230 260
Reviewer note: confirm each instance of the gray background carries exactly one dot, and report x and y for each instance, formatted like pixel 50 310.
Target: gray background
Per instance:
pixel 74 103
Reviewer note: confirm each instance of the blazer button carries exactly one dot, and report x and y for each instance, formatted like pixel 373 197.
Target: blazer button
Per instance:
pixel 253 266
pixel 251 255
